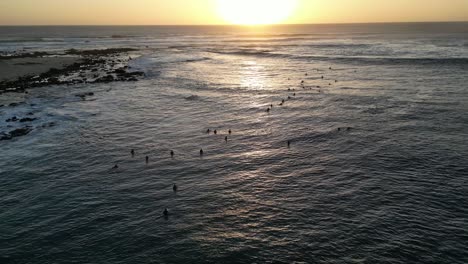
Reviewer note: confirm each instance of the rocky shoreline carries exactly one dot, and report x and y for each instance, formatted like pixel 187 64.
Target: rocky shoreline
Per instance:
pixel 90 66
pixel 93 66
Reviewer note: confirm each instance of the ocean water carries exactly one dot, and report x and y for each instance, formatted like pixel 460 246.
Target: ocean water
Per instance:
pixel 392 189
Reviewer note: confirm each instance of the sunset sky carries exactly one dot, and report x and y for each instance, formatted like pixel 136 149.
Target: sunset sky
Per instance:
pixel 206 12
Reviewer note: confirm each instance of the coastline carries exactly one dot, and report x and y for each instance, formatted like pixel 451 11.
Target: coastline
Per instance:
pixel 19 72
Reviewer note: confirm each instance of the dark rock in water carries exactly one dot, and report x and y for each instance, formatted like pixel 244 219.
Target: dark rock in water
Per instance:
pixel 54 80
pixel 83 95
pixel 120 71
pixel 27 119
pixel 20 132
pixel 192 98
pixel 15 133
pixel 105 79
pixel 13 119
pixel 4 136
pixel 51 124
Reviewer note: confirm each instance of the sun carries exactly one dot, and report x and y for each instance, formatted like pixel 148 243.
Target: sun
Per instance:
pixel 256 12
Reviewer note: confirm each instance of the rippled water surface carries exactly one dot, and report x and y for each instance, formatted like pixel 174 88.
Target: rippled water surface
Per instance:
pixel 390 189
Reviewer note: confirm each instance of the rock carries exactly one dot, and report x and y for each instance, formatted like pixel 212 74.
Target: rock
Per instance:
pixel 105 79
pixel 120 71
pixel 83 95
pixel 27 119
pixel 15 133
pixel 13 119
pixel 51 124
pixel 4 136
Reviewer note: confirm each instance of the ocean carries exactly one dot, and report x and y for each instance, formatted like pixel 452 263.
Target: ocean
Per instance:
pixel 376 170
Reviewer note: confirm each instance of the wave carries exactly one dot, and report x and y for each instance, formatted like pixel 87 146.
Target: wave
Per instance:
pixel 197 59
pixel 243 52
pixel 391 60
pixel 338 46
pixel 274 35
pixel 25 40
pixel 349 60
pixel 263 40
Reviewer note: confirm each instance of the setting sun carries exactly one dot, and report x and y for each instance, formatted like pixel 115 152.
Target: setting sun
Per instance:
pixel 256 12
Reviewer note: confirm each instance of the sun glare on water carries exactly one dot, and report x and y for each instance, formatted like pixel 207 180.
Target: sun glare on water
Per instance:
pixel 256 12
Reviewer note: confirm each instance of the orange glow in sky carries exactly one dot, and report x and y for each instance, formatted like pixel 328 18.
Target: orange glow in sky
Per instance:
pixel 209 12
pixel 255 12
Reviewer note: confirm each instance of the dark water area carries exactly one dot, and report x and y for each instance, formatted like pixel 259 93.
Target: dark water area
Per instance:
pixel 393 188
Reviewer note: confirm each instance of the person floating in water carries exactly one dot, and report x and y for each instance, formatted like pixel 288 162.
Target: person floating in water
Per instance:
pixel 174 187
pixel 215 132
pixel 201 152
pixel 208 131
pixel 172 153
pixel 147 159
pixel 132 152
pixel 226 138
pixel 230 132
pixel 115 167
pixel 289 143
pixel 165 212
pixel 268 110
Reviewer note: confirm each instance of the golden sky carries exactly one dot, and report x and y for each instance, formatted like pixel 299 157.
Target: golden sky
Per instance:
pixel 206 12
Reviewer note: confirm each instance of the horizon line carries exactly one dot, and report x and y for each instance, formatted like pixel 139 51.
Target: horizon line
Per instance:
pixel 218 25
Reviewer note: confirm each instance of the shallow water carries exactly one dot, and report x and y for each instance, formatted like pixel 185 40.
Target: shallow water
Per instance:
pixel 393 189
